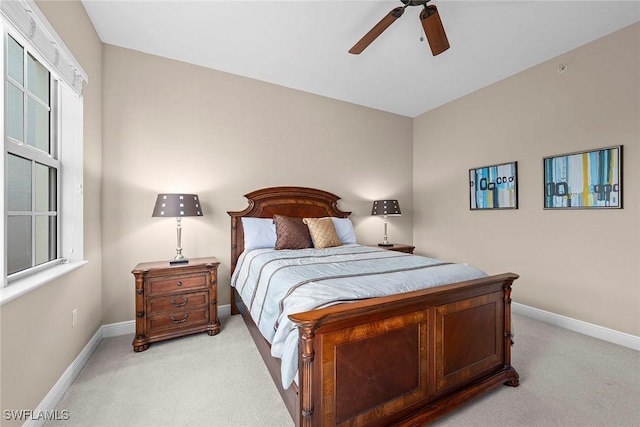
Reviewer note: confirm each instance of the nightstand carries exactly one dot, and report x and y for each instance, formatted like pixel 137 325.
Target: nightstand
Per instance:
pixel 175 300
pixel 398 247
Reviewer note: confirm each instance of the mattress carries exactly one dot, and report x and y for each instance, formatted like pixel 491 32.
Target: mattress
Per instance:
pixel 276 283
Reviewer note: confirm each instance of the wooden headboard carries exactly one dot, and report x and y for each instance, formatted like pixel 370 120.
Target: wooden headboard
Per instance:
pixel 300 202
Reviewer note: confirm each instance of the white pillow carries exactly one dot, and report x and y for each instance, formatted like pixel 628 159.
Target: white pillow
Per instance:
pixel 258 233
pixel 344 229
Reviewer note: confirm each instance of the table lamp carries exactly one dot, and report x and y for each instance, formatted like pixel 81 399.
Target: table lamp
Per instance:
pixel 386 208
pixel 177 205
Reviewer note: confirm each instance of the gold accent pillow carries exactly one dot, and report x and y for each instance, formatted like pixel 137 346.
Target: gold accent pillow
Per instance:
pixel 323 232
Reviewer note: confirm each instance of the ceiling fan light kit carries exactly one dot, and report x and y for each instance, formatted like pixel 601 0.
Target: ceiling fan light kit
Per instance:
pixel 431 23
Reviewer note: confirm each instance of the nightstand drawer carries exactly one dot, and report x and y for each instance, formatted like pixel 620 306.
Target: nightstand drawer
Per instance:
pixel 177 302
pixel 176 284
pixel 177 319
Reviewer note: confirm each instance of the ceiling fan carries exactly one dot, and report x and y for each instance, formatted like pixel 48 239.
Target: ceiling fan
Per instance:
pixel 431 23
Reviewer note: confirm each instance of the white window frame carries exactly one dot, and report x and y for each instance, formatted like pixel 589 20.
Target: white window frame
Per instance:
pixel 26 24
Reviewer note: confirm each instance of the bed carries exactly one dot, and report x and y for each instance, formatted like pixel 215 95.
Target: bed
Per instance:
pixel 401 359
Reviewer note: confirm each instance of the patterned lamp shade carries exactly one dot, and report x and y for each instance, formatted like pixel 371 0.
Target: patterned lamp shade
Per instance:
pixel 386 207
pixel 177 205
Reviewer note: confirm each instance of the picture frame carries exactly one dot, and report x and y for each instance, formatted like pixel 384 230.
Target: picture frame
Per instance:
pixel 590 179
pixel 494 187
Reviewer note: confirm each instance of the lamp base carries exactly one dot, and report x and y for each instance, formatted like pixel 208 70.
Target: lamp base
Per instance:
pixel 179 261
pixel 386 245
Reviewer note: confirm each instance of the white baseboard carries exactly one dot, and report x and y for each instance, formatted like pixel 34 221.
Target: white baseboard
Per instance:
pixel 589 329
pixel 51 400
pixel 117 329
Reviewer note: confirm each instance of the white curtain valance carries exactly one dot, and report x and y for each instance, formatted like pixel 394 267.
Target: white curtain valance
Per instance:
pixel 28 20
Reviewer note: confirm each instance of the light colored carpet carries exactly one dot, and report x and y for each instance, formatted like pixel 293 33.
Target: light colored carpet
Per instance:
pixel 566 379
pixel 196 380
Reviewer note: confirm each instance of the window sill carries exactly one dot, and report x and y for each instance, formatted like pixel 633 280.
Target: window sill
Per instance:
pixel 30 283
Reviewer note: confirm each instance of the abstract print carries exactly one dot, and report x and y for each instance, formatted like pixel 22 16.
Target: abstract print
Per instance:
pixel 589 179
pixel 494 187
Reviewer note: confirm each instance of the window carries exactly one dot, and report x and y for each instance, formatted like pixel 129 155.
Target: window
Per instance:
pixel 32 163
pixel 41 152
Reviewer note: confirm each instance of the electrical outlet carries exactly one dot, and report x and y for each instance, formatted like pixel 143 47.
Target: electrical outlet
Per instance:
pixel 74 317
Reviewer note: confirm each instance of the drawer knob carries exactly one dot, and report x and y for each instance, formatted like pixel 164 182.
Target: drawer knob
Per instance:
pixel 174 320
pixel 179 283
pixel 179 304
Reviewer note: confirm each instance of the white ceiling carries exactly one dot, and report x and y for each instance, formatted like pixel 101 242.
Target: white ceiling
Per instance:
pixel 303 44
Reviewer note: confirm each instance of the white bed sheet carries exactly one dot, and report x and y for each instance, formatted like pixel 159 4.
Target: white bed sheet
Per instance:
pixel 276 283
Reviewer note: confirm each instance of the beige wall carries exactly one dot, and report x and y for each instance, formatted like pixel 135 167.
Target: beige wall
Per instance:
pixel 175 127
pixel 38 343
pixel 581 263
pixel 170 126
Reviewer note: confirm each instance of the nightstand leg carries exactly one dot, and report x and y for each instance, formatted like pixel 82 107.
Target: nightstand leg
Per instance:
pixel 214 328
pixel 140 344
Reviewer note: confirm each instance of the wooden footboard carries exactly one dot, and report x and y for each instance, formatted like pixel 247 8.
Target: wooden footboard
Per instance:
pixel 405 359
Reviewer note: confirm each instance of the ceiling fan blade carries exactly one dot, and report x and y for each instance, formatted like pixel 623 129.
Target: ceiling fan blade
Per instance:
pixel 373 33
pixel 434 30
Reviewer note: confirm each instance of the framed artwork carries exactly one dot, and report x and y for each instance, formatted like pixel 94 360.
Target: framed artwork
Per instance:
pixel 494 187
pixel 587 179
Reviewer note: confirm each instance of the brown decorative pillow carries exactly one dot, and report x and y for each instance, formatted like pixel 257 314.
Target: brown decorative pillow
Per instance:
pixel 291 233
pixel 323 232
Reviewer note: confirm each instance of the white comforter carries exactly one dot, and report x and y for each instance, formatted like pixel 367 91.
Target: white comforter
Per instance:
pixel 276 283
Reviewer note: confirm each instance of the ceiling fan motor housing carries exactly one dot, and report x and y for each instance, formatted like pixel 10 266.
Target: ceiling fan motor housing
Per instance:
pixel 415 2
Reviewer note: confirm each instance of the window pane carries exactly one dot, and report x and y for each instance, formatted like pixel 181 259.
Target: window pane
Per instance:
pixel 38 79
pixel 45 239
pixel 15 113
pixel 38 125
pixel 45 188
pixel 18 243
pixel 15 60
pixel 19 183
